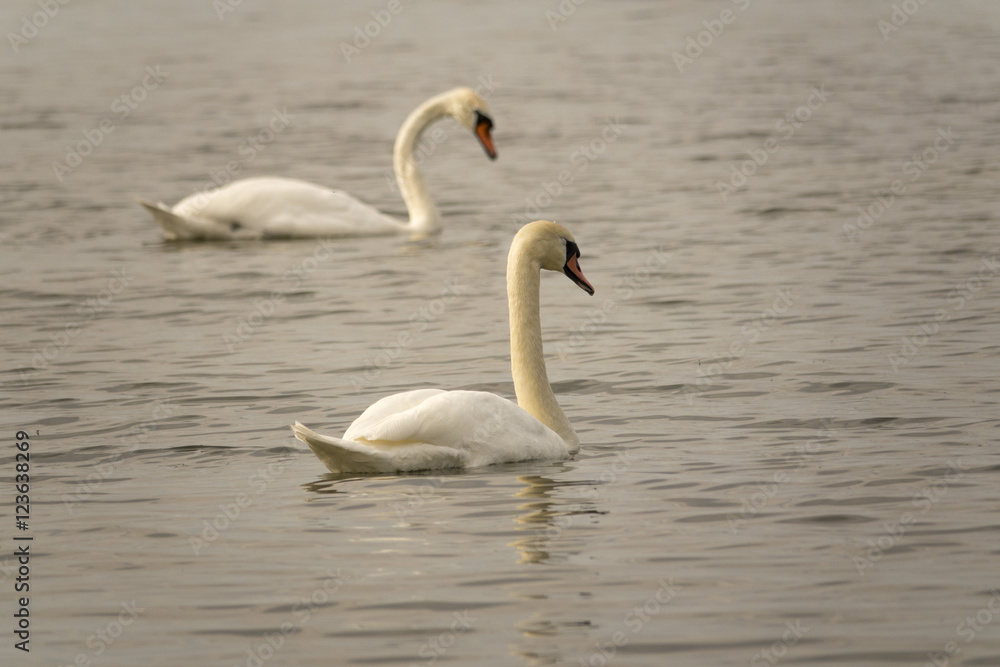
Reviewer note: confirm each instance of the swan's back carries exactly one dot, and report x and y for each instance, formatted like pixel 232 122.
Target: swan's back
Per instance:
pixel 274 207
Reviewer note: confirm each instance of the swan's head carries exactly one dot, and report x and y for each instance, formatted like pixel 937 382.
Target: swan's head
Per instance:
pixel 554 248
pixel 471 111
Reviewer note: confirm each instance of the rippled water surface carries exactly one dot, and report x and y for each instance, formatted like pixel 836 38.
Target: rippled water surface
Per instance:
pixel 786 385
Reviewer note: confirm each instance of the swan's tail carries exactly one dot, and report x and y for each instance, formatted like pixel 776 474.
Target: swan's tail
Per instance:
pixel 351 456
pixel 174 226
pixel 342 455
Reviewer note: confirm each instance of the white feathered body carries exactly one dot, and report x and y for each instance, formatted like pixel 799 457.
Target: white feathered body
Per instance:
pixel 435 429
pixel 271 207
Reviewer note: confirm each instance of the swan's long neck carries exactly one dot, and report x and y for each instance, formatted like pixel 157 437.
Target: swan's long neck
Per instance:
pixel 424 216
pixel 527 360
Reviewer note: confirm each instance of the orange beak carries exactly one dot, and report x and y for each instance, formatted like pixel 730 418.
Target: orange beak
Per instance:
pixel 572 269
pixel 483 127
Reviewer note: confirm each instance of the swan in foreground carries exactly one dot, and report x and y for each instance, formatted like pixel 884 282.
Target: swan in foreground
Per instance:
pixel 430 428
pixel 271 207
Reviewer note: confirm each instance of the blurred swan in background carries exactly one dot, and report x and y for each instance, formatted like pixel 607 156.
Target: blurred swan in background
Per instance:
pixel 273 207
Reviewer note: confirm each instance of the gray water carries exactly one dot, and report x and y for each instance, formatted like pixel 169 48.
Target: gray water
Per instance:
pixel 788 410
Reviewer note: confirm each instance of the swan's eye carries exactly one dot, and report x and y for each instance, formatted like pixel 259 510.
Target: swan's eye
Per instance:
pixel 572 249
pixel 482 119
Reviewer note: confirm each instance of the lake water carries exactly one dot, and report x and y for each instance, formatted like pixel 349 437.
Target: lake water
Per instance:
pixel 786 386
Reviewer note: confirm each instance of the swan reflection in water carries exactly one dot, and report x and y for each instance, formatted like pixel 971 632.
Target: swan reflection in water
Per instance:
pixel 543 518
pixel 546 519
pixel 547 513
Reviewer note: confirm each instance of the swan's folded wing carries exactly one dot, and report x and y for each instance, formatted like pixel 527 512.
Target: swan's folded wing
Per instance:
pixel 391 419
pixel 323 212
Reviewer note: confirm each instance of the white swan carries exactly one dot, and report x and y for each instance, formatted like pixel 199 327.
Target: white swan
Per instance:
pixel 270 207
pixel 430 428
